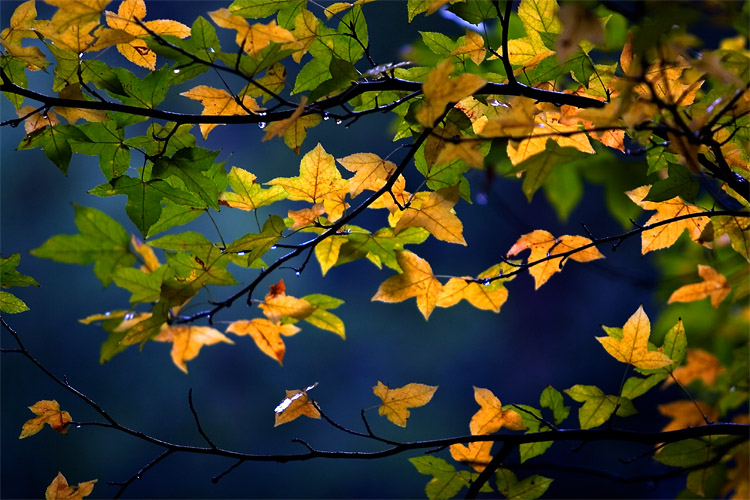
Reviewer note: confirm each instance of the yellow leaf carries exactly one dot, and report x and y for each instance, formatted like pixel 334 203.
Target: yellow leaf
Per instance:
pixel 60 490
pixel 738 482
pixel 253 38
pixel 73 91
pixel 327 252
pixel 296 404
pixel 439 90
pixel 319 178
pixel 266 335
pixel 305 216
pixel 220 102
pixel 76 12
pixel 278 305
pixel 434 212
pixel 38 120
pixel 473 47
pixel 279 128
pixel 248 194
pixel 296 133
pixel 489 297
pixel 539 16
pixel 666 235
pixel 516 119
pixel 47 412
pixel 548 125
pixel 32 56
pixel 714 285
pixel 150 262
pixel 396 402
pixel 187 341
pixel 527 52
pixel 491 417
pixel 370 172
pixel 578 23
pixel 700 365
pixel 476 455
pixel 467 151
pixel 541 243
pixel 416 280
pixel 632 348
pixel 22 23
pixel 305 32
pixel 338 7
pixel 687 413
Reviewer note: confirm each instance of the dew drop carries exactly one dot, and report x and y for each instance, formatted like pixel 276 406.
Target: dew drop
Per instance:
pixel 129 316
pixel 273 247
pixel 240 253
pixel 176 70
pixel 339 121
pixel 262 125
pixel 261 113
pixel 211 50
pixel 487 282
pixel 107 313
pixel 13 124
pixel 326 117
pixel 297 273
pixel 78 426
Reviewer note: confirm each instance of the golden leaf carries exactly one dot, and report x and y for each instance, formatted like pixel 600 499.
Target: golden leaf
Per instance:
pixel 687 413
pixel 253 38
pixel 60 490
pixel 47 412
pixel 476 455
pixel 278 305
pixel 548 126
pixel 73 91
pixel 220 102
pixel 248 194
pixel 416 280
pixel 187 341
pixel 279 128
pixel 491 417
pixel 439 90
pixel 396 402
pixel 319 178
pixel 37 121
pixel 700 365
pixel 150 262
pixel 305 216
pixel 490 296
pixel 632 348
pixel 370 172
pixel 578 23
pixel 266 335
pixel 305 32
pixel 473 47
pixel 714 285
pixel 434 212
pixel 296 404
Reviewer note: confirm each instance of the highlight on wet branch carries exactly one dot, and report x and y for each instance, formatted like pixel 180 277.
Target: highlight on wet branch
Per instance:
pixel 534 93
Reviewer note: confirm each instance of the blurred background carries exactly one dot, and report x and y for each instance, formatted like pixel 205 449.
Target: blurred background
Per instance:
pixel 540 338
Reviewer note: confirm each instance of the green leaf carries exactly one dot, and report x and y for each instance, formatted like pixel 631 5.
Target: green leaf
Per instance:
pixel 439 43
pixel 552 398
pixel 203 35
pixel 11 304
pixel 597 407
pixel 685 453
pixel 148 91
pixel 16 71
pixel 105 140
pixel 252 246
pixel 539 166
pixel 675 345
pixel 323 319
pixel 678 183
pixel 256 9
pixel 531 487
pixel 379 248
pixel 10 277
pixel 251 66
pixel 446 481
pixel 189 165
pixel 531 450
pixel 474 11
pixel 660 158
pixel 54 144
pixel 313 74
pixel 174 215
pixel 638 386
pixel 101 240
pixel 563 189
pixel 249 194
pixel 145 287
pixel 188 241
pixel 147 328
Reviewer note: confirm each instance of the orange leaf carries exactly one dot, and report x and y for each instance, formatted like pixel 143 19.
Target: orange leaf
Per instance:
pixel 434 212
pixel 700 365
pixel 305 216
pixel 416 280
pixel 476 455
pixel 489 296
pixel 491 417
pixel 296 404
pixel 714 285
pixel 371 172
pixel 318 179
pixel 632 348
pixel 219 102
pixel 473 47
pixel 396 402
pixel 548 123
pixel 60 490
pixel 266 334
pixel 687 413
pixel 439 90
pixel 150 262
pixel 277 129
pixel 47 412
pixel 253 38
pixel 36 121
pixel 666 235
pixel 187 341
pixel 541 243
pixel 278 305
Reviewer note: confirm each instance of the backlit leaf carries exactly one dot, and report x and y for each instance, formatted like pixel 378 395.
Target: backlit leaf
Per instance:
pixel 597 407
pixel 687 413
pixel 252 38
pixel 370 170
pixel 632 348
pixel 60 490
pixel 319 179
pixel 416 280
pixel 476 454
pixel 278 305
pixel 491 417
pixel 714 285
pixel 396 402
pixel 434 212
pixel 47 412
pixel 440 89
pixel 11 304
pixel 529 488
pixel 266 334
pixel 248 193
pixel 220 102
pixel 296 404
pixel 187 341
pixel 701 365
pixel 10 277
pixel 446 481
pixel 488 296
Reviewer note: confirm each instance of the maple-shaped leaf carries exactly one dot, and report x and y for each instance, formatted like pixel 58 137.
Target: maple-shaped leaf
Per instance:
pixel 278 305
pixel 489 296
pixel 476 455
pixel 266 334
pixel 279 128
pixel 37 120
pixel 73 91
pixel 700 365
pixel 632 348
pixel 542 244
pixel 440 89
pixel 416 280
pixel 396 402
pixel 220 102
pixel 306 216
pixel 549 122
pixel 514 119
pixel 738 231
pixel 59 489
pixel 127 18
pixel 434 212
pixel 446 481
pixel 578 23
pixel 666 235
pixel 370 171
pixel 491 417
pixel 10 277
pixel 47 412
pixel 296 404
pixel 253 245
pixel 687 413
pixel 187 341
pixel 327 252
pixel 598 407
pixel 714 285
pixel 78 12
pixel 509 486
pixel 319 179
pixel 248 193
pixel 472 46
pixel 253 38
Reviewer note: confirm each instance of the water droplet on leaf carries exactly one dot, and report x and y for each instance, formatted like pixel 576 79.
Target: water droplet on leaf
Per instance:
pixel 262 125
